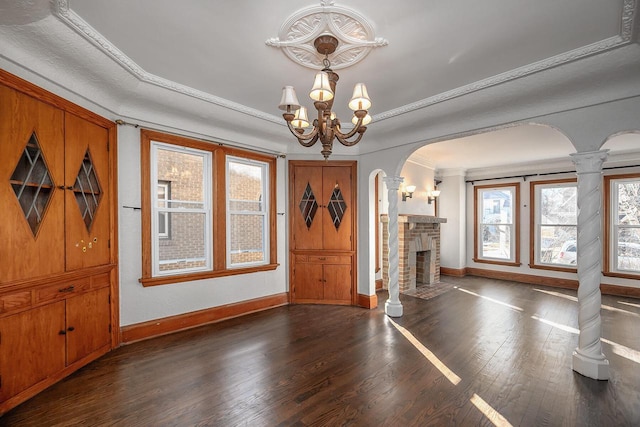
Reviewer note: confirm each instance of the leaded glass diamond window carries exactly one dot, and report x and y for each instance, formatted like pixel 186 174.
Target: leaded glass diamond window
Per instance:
pixel 32 183
pixel 308 206
pixel 337 206
pixel 87 190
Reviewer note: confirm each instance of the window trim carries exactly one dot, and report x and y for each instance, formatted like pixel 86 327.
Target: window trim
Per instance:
pixel 516 225
pixel 533 217
pixel 218 214
pixel 608 235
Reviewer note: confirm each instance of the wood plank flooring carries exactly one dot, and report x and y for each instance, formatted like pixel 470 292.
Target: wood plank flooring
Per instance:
pixel 510 344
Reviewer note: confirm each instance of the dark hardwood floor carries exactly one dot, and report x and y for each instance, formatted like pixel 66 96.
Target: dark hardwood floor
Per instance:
pixel 333 365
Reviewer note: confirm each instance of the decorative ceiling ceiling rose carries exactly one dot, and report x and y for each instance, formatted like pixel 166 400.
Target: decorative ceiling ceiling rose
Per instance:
pixel 355 35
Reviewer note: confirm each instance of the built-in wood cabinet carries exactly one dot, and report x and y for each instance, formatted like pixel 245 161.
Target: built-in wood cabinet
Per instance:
pixel 58 259
pixel 322 227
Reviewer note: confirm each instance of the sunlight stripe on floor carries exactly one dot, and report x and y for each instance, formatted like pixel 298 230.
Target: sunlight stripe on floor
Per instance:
pixel 619 349
pixel 513 307
pixel 604 307
pixel 629 303
pixel 448 373
pixel 494 416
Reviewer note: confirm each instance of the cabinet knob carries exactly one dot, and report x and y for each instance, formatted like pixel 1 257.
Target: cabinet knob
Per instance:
pixel 67 289
pixel 71 329
pixel 63 332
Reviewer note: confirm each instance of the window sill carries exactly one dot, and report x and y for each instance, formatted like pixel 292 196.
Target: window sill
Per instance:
pixel 554 268
pixel 622 275
pixel 168 280
pixel 487 261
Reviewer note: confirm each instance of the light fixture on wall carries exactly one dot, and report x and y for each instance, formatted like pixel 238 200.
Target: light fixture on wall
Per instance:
pixel 431 195
pixel 407 193
pixel 327 126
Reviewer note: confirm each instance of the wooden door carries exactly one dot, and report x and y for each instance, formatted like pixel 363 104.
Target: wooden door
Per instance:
pixel 32 348
pixel 337 284
pixel 307 209
pixel 87 194
pixel 337 207
pixel 88 318
pixel 31 169
pixel 308 285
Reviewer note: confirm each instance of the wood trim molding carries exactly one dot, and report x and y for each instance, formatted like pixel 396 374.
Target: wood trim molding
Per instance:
pixel 624 291
pixel 368 301
pixel 167 325
pixel 454 272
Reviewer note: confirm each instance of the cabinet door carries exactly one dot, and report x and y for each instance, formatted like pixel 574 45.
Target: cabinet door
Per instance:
pixel 337 209
pixel 87 215
pixel 307 208
pixel 308 283
pixel 88 319
pixel 31 169
pixel 337 284
pixel 31 348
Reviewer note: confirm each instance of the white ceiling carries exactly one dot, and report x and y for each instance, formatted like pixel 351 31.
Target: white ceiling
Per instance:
pixel 437 52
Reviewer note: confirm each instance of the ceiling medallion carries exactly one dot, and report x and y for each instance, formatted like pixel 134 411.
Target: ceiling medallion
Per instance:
pixel 355 35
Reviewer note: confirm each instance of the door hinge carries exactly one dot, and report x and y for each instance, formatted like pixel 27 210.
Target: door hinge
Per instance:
pixel 108 144
pixel 109 328
pixel 109 243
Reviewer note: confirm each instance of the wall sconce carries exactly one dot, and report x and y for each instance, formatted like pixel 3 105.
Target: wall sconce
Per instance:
pixel 431 195
pixel 408 192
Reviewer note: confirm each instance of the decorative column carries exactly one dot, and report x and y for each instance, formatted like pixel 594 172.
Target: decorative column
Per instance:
pixel 588 358
pixel 393 307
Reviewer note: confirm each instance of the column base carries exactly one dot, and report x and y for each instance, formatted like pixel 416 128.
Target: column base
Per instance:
pixel 393 309
pixel 598 369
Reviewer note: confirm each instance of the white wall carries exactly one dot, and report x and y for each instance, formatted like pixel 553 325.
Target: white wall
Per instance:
pixel 140 304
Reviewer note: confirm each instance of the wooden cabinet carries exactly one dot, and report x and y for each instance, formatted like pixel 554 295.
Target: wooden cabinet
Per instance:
pixel 57 259
pixel 322 227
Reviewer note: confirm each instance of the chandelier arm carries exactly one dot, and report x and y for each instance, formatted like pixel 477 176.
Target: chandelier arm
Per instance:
pixel 312 137
pixel 346 143
pixel 349 134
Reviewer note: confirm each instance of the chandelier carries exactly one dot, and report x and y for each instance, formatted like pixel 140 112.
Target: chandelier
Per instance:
pixel 326 127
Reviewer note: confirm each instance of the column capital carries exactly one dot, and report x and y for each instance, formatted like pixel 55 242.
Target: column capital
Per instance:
pixel 393 182
pixel 589 161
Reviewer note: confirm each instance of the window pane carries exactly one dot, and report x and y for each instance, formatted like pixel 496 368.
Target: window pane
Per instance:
pixel 185 172
pixel 496 241
pixel 496 206
pixel 247 238
pixel 245 187
pixel 558 205
pixel 629 249
pixel 186 249
pixel 629 203
pixel 558 244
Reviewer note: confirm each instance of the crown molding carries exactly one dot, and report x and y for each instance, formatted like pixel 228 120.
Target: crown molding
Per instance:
pixel 624 38
pixel 60 9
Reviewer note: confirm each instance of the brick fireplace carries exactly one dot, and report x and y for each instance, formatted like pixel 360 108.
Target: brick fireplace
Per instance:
pixel 418 250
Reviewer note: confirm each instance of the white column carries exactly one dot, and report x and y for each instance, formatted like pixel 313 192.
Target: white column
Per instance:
pixel 393 307
pixel 588 358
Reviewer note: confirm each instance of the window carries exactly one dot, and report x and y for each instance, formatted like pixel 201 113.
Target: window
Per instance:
pixel 189 207
pixel 497 224
pixel 554 226
pixel 622 230
pixel 207 210
pixel 247 212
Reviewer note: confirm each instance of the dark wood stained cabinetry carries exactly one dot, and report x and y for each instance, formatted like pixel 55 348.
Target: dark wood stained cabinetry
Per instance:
pixel 58 259
pixel 322 226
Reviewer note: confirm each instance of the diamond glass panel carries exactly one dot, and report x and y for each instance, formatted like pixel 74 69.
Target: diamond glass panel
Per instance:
pixel 87 190
pixel 308 206
pixel 337 206
pixel 32 183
